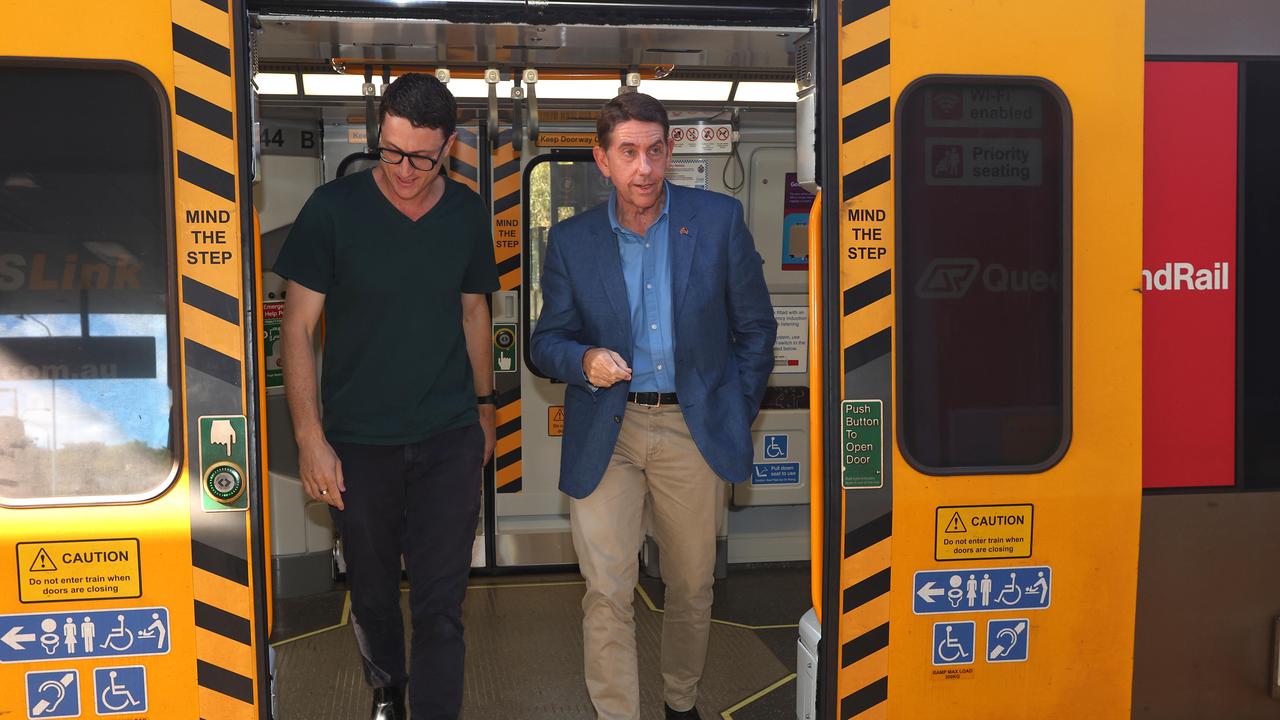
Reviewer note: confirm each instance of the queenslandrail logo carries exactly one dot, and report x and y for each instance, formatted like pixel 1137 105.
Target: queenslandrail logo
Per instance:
pixel 947 278
pixel 952 278
pixel 1186 276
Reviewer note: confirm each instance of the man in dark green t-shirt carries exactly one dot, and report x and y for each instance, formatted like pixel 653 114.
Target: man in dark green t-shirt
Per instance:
pixel 399 259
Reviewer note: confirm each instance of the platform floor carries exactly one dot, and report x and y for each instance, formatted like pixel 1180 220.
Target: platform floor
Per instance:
pixel 524 650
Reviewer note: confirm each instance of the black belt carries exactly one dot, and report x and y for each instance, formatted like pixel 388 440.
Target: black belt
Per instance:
pixel 653 399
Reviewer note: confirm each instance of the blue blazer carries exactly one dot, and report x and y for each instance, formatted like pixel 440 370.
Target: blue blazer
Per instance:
pixel 724 332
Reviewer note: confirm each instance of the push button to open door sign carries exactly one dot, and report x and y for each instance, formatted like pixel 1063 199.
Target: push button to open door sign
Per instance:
pixel 223 458
pixel 504 348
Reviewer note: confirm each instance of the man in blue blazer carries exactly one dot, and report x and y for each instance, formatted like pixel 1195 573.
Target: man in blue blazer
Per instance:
pixel 656 315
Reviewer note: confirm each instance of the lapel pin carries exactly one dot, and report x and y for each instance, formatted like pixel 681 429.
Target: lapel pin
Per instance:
pixel 684 231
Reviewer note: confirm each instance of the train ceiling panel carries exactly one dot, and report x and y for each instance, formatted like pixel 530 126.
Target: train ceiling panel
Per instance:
pixel 317 40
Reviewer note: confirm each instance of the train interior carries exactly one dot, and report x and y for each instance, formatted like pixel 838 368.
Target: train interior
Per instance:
pixel 527 100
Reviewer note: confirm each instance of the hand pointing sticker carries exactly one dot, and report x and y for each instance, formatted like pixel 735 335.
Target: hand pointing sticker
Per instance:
pixel 221 433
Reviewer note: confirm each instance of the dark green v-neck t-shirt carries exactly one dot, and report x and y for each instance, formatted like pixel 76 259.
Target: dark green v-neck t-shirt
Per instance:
pixel 395 367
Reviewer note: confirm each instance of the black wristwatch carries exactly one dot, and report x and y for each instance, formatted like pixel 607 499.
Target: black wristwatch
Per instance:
pixel 490 399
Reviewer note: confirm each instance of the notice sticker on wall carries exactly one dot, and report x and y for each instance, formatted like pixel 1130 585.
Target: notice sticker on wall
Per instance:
pixel 688 172
pixel 698 139
pixel 795 225
pixel 791 349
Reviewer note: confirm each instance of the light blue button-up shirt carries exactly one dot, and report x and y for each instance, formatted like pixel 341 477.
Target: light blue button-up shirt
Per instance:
pixel 646 268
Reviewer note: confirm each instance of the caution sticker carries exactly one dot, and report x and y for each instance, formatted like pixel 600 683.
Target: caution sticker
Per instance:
pixel 555 421
pixel 980 532
pixel 79 570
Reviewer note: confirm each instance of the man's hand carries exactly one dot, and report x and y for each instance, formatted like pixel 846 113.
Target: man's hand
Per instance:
pixel 321 471
pixel 604 367
pixel 488 423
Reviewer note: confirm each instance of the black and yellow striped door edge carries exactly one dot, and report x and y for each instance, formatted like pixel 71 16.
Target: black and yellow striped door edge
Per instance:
pixel 210 260
pixel 866 321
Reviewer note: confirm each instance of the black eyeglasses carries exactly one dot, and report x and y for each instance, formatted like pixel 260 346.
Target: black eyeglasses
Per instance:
pixel 419 162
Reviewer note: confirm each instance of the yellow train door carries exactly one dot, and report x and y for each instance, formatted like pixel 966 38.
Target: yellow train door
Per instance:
pixel 130 501
pixel 983 221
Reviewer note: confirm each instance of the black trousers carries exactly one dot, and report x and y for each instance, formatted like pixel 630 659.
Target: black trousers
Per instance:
pixel 422 500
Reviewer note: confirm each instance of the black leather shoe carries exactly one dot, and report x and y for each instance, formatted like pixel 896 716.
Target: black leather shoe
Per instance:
pixel 690 714
pixel 388 704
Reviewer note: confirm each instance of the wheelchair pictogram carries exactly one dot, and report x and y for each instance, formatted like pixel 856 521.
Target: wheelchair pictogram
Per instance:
pixel 120 638
pixel 775 447
pixel 120 690
pixel 953 642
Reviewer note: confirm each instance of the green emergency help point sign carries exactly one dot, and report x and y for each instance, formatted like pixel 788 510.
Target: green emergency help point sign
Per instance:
pixel 862 444
pixel 272 318
pixel 223 459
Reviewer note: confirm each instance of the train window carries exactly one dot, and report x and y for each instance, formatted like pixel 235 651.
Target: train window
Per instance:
pixel 86 408
pixel 557 186
pixel 1259 344
pixel 983 252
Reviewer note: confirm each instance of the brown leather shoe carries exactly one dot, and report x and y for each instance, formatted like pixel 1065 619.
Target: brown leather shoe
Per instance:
pixel 690 714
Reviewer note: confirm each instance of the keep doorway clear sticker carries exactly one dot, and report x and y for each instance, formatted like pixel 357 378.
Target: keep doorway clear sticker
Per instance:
pixel 79 570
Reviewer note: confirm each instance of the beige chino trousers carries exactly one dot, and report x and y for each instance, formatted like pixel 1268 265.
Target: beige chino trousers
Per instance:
pixel 654 457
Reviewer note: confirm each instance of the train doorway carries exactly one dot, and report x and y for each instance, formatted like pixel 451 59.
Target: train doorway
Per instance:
pixel 523 145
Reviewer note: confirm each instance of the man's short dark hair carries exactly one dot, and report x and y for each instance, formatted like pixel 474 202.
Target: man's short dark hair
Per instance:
pixel 422 100
pixel 630 106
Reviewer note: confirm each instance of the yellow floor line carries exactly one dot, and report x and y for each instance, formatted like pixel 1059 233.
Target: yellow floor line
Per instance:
pixel 648 601
pixel 346 617
pixel 346 606
pixel 524 585
pixel 792 626
pixel 728 714
pixel 644 595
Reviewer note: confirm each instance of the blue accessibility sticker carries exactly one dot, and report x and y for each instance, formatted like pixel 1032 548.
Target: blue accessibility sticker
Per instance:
pixel 981 589
pixel 84 634
pixel 953 642
pixel 775 474
pixel 1008 640
pixel 775 447
pixel 53 694
pixel 120 690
